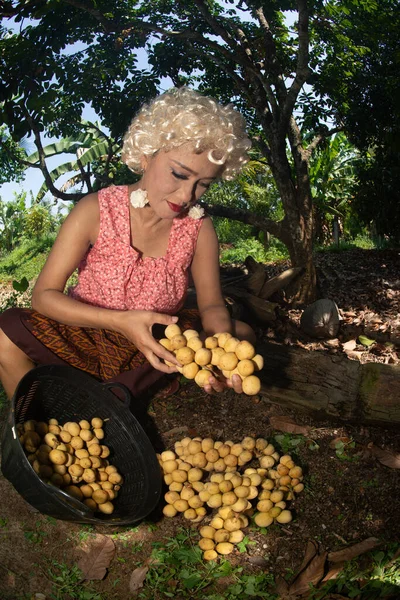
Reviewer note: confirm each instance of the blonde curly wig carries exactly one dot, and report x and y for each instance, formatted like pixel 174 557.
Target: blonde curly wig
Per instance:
pixel 183 116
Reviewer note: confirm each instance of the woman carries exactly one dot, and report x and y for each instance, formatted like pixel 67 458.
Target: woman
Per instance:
pixel 134 246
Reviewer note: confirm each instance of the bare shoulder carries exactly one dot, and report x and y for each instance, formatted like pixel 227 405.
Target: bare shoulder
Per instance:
pixel 87 204
pixel 85 216
pixel 207 230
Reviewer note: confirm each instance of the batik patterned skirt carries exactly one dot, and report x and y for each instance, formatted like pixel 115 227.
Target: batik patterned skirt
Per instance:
pixel 107 355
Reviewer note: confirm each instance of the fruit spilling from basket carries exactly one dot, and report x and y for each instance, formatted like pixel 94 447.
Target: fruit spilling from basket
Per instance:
pixel 219 354
pixel 206 476
pixel 73 457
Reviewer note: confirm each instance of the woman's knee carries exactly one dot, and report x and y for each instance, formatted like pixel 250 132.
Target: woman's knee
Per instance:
pixel 243 331
pixel 9 352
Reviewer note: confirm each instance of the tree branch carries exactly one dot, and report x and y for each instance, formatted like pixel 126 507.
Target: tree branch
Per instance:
pixel 213 23
pixel 321 136
pixel 238 214
pixel 302 69
pixel 42 164
pixel 275 68
pixel 107 25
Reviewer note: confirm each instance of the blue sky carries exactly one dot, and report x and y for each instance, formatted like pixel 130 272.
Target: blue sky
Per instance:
pixel 33 177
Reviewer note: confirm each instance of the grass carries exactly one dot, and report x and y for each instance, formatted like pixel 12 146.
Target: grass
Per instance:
pixel 26 260
pixel 370 577
pixel 176 570
pixel 67 583
pixel 361 241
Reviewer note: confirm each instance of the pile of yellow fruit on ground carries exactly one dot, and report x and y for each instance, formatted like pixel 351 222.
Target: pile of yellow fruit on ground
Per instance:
pixel 206 476
pixel 220 353
pixel 73 457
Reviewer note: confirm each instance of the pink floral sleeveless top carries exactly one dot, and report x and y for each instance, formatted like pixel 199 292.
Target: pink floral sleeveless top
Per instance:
pixel 114 275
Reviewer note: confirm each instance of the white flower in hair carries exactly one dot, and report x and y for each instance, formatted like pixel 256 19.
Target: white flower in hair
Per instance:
pixel 139 198
pixel 196 212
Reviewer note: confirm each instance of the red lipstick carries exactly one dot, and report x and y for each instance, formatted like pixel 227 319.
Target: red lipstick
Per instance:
pixel 175 207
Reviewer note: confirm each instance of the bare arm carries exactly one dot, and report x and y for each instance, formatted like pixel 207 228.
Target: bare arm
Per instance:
pixel 78 232
pixel 213 312
pixel 206 276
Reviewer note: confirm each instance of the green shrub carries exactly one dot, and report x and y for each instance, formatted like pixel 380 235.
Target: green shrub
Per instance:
pixel 229 231
pixel 252 247
pixel 27 259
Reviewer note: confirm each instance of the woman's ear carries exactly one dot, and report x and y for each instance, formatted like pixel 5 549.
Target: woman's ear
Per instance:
pixel 144 162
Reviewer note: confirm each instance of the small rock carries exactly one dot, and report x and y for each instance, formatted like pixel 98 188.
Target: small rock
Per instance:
pixel 321 319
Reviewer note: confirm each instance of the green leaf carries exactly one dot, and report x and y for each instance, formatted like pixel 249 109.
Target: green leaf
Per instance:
pixel 365 341
pixel 21 286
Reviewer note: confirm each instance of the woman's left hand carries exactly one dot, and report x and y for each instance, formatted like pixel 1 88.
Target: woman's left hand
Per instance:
pixel 220 384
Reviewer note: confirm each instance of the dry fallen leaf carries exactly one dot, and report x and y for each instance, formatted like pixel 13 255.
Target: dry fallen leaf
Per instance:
pixel 175 430
pixel 313 573
pixel 349 346
pixel 137 578
pixel 352 551
pixel 282 587
pixel 311 551
pixel 333 571
pixel 97 558
pixel 355 355
pixel 386 457
pixel 286 424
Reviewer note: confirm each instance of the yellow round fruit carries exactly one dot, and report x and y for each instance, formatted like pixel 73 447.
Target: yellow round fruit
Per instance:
pixel 258 361
pixel 100 496
pixel 206 544
pixel 58 457
pixel 284 517
pixel 194 343
pixel 189 333
pixel 228 361
pixel 177 342
pixel 223 338
pixel 251 385
pixel 190 370
pixel 211 342
pixel 210 555
pixel 169 510
pixel 263 519
pixel 207 532
pixel 203 357
pixel 107 508
pixel 236 536
pixel 221 535
pixel 216 354
pixel 224 548
pixel 172 330
pixel 202 377
pixel 245 350
pixel 245 367
pixel 231 344
pixel 166 343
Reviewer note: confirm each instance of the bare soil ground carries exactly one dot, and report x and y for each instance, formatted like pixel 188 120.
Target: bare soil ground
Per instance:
pixel 349 495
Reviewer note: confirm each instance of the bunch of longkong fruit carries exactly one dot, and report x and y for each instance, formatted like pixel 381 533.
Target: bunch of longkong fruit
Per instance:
pixel 73 457
pixel 201 474
pixel 218 353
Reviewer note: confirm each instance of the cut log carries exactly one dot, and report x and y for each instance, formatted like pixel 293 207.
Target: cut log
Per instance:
pixel 256 308
pixel 256 277
pixel 279 282
pixel 331 385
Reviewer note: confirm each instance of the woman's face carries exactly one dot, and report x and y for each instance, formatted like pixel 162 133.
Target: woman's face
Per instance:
pixel 176 179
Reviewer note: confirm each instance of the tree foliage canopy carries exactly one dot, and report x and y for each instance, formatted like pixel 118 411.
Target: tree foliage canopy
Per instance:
pixel 260 56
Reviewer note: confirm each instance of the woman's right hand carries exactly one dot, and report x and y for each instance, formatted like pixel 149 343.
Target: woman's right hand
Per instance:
pixel 137 325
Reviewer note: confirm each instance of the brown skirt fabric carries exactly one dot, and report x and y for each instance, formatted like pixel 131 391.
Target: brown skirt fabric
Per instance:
pixel 105 354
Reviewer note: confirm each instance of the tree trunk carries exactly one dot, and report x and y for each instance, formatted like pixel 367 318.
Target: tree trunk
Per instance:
pixel 331 386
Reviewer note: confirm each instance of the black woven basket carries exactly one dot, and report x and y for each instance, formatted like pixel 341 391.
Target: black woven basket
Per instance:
pixel 66 394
